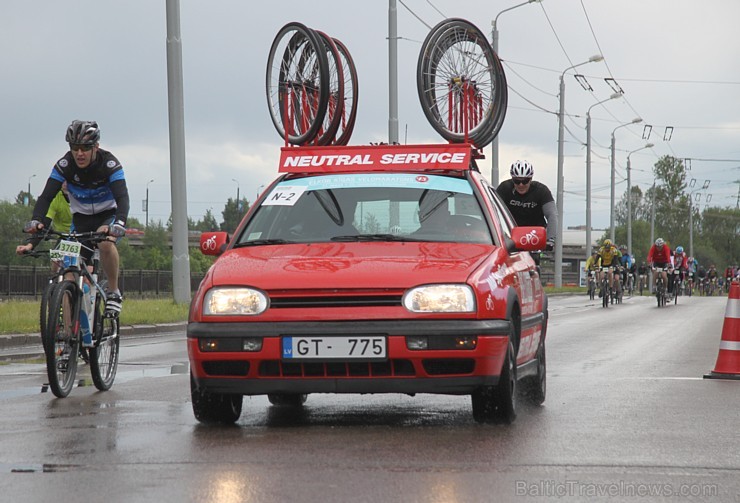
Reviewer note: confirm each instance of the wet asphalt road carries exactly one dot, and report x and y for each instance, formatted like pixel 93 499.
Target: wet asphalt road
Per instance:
pixel 628 418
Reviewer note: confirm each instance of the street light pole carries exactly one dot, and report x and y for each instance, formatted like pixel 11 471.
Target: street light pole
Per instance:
pixel 613 176
pixel 146 224
pixel 629 198
pixel 561 131
pixel 29 189
pixel 588 170
pixel 691 215
pixel 494 44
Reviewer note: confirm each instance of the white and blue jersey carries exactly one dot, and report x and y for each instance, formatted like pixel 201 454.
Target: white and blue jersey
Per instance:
pixel 96 189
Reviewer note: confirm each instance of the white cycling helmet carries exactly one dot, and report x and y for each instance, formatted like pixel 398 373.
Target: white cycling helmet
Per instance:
pixel 659 242
pixel 521 169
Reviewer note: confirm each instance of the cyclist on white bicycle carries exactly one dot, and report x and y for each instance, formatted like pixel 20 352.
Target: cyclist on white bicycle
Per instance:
pixel 659 257
pixel 681 263
pixel 609 256
pixel 626 261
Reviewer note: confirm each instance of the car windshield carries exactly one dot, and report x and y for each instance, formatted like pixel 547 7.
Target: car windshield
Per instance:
pixel 368 207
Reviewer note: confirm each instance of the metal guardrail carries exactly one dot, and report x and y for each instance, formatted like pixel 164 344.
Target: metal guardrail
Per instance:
pixel 29 281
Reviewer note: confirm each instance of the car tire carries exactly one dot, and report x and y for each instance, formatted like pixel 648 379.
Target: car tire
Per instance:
pixel 287 399
pixel 534 388
pixel 211 407
pixel 497 404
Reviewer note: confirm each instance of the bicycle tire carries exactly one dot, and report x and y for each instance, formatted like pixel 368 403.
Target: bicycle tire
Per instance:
pixel 351 93
pixel 456 65
pixel 62 338
pixel 335 105
pixel 104 355
pixel 297 83
pixel 44 310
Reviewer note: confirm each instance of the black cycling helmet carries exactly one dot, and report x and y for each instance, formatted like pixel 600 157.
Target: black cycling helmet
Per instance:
pixel 83 133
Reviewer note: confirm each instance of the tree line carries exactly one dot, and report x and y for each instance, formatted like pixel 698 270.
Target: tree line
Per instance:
pixel 669 206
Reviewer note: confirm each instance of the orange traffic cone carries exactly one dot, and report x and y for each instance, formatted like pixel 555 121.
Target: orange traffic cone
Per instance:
pixel 728 361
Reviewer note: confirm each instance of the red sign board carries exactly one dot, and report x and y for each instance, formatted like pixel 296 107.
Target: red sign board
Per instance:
pixel 375 158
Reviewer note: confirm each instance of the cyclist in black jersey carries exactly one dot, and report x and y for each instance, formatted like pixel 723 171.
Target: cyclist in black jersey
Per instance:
pixel 530 202
pixel 98 198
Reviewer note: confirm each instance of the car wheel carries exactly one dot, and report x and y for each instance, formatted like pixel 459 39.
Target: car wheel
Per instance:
pixel 211 407
pixel 534 387
pixel 497 404
pixel 287 399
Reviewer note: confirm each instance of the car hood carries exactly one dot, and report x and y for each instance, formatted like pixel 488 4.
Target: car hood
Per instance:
pixel 348 265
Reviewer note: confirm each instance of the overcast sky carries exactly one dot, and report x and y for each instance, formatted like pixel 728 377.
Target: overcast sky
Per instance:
pixel 676 60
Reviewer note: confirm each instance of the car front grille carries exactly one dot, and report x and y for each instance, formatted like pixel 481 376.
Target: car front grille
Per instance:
pixel 226 368
pixel 446 366
pixel 346 299
pixel 390 368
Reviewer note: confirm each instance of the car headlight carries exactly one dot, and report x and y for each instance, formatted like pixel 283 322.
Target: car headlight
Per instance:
pixel 440 299
pixel 234 301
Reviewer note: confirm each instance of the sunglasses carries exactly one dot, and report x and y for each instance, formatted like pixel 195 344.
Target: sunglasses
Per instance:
pixel 521 181
pixel 84 148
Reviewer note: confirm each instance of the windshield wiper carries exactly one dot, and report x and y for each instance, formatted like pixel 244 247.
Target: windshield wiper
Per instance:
pixel 260 242
pixel 373 237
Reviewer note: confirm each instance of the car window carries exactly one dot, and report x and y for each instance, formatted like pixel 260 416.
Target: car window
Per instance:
pixel 502 213
pixel 374 206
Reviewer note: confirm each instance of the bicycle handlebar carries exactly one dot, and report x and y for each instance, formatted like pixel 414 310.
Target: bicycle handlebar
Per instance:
pixel 49 234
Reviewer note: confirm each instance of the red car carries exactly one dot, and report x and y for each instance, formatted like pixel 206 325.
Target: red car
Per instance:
pixel 374 269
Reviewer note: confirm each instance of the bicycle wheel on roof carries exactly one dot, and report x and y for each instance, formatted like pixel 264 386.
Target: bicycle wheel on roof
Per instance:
pixel 297 83
pixel 461 84
pixel 351 90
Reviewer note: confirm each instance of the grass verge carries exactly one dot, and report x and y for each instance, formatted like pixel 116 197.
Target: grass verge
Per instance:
pixel 22 317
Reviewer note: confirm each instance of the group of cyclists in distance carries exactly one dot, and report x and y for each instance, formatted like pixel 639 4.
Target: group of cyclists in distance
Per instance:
pixel 682 274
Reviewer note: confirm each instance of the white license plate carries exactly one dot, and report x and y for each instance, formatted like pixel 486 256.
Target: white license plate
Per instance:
pixel 363 347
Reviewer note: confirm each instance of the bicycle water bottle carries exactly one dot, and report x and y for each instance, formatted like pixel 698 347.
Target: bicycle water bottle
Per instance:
pixel 85 312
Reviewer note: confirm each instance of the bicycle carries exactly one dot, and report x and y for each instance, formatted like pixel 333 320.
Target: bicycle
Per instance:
pixel 617 285
pixel 660 287
pixel 643 283
pixel 677 285
pixel 591 285
pixel 68 302
pixel 605 291
pixel 630 286
pixel 689 287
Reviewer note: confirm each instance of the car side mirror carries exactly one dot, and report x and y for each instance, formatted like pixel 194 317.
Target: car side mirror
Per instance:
pixel 526 238
pixel 213 243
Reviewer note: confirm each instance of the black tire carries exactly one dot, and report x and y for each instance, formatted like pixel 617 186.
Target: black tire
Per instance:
pixel 534 388
pixel 44 309
pixel 335 106
pixel 351 94
pixel 456 65
pixel 104 355
pixel 287 399
pixel 297 74
pixel 209 407
pixel 607 294
pixel 62 340
pixel 497 404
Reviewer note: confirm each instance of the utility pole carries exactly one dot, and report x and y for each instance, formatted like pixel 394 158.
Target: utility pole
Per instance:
pixel 392 72
pixel 178 179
